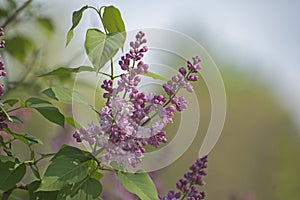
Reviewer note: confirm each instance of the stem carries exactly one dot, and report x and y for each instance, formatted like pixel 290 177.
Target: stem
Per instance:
pixel 14 109
pixel 167 103
pixel 33 164
pixel 184 194
pixel 41 158
pixel 15 14
pixel 112 69
pixel 97 152
pixel 105 74
pixel 102 167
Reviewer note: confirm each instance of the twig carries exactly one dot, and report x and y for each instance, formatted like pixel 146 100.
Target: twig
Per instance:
pixel 7 193
pixel 15 14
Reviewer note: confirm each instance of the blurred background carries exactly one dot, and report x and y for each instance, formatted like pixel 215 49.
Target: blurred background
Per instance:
pixel 255 45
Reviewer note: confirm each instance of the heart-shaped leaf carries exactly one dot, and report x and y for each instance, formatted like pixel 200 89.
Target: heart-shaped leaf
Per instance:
pixel 100 47
pixel 140 184
pixel 77 15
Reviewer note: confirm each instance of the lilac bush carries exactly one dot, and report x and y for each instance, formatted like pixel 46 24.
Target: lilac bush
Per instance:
pixel 130 121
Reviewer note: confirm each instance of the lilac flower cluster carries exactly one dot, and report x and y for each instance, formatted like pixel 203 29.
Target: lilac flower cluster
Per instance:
pixel 2 67
pixel 132 119
pixel 3 117
pixel 188 185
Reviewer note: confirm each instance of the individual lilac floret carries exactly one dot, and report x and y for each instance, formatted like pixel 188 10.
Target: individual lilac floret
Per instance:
pixel 131 118
pixel 188 185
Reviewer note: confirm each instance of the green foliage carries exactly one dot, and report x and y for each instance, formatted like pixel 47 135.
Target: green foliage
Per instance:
pixel 112 20
pixel 25 138
pixel 16 120
pixel 69 166
pixel 71 121
pixel 11 172
pixel 140 184
pixel 42 195
pixel 63 71
pixel 88 189
pixel 5 113
pixel 19 47
pixel 101 47
pixel 7 7
pixel 46 109
pixel 65 95
pixel 77 15
pixel 11 102
pixel 46 24
pixel 155 76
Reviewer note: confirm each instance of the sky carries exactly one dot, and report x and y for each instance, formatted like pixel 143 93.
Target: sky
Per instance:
pixel 262 37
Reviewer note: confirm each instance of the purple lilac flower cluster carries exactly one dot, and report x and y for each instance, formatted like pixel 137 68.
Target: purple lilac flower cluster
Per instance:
pixel 188 185
pixel 2 73
pixel 132 119
pixel 2 67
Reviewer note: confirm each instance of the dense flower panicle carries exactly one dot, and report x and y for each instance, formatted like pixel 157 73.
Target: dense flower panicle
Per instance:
pixel 2 66
pixel 131 118
pixel 187 186
pixel 3 117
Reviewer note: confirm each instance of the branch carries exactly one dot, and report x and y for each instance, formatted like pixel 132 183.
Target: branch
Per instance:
pixel 7 193
pixel 15 14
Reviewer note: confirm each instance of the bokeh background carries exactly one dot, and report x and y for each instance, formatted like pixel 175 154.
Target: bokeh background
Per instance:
pixel 255 45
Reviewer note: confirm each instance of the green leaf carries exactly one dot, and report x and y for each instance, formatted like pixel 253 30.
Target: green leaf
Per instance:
pixel 11 102
pixel 11 173
pixel 3 12
pixel 16 120
pixel 63 71
pixel 73 153
pixel 77 15
pixel 3 111
pixel 100 47
pixel 69 166
pixel 155 76
pixel 34 102
pixel 7 150
pixel 52 114
pixel 112 20
pixel 46 155
pixel 140 184
pixel 32 187
pixel 97 175
pixel 19 47
pixel 5 159
pixel 25 138
pixel 28 139
pixel 12 4
pixel 72 122
pixel 46 24
pixel 65 95
pixel 87 189
pixel 63 171
pixel 46 109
